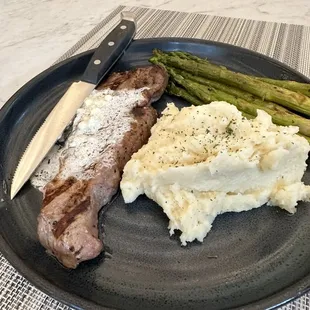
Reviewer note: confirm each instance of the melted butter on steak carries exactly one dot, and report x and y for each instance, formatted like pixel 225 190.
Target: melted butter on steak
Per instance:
pixel 101 122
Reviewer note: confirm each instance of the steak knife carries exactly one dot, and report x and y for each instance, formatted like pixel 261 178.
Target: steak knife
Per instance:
pixel 105 56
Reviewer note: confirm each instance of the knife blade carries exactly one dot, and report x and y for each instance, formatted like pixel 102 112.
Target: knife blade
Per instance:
pixel 104 57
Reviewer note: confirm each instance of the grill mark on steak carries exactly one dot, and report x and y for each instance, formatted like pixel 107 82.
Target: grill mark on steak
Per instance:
pixel 68 221
pixel 75 197
pixel 55 190
pixel 69 217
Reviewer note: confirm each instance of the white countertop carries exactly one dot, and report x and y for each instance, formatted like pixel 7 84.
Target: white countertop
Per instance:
pixel 35 33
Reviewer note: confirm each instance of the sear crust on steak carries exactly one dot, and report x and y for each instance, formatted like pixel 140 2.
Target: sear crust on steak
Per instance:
pixel 68 221
pixel 154 77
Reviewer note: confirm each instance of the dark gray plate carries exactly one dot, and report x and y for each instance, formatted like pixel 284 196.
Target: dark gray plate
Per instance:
pixel 262 255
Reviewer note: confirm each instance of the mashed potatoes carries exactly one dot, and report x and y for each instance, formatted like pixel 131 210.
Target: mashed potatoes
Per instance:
pixel 207 160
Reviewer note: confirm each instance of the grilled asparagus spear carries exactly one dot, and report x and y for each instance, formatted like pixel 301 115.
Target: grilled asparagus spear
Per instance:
pixel 172 89
pixel 282 96
pixel 302 88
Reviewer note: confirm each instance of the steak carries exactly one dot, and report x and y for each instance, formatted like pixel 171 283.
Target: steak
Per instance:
pixel 68 221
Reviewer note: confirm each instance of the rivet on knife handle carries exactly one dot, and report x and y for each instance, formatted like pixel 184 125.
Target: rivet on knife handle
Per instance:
pixel 103 59
pixel 115 43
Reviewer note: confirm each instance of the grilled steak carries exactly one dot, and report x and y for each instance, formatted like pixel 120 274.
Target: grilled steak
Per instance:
pixel 92 161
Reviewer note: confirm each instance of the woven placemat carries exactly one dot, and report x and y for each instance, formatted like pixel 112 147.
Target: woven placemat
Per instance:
pixel 287 43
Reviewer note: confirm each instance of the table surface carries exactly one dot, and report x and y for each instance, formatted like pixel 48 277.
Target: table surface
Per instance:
pixel 36 32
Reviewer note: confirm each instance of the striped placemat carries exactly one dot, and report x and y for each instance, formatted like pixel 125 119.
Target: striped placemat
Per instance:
pixel 287 43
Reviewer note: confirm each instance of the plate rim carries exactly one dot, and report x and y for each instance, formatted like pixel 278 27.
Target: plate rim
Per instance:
pixel 273 301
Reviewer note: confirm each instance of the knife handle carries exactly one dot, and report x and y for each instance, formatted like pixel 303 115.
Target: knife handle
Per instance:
pixel 110 49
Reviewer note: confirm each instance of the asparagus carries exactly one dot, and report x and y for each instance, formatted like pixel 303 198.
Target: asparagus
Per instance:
pixel 188 56
pixel 172 89
pixel 282 96
pixel 208 93
pixel 302 88
pixel 279 114
pixel 248 116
